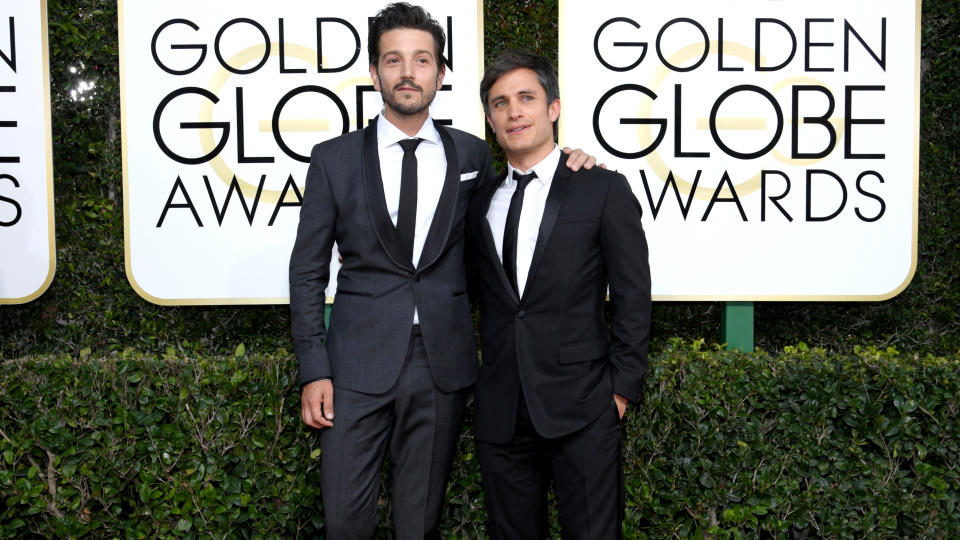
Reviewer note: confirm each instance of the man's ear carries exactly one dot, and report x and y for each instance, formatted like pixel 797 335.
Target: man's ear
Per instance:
pixel 553 110
pixel 440 73
pixel 375 77
pixel 490 123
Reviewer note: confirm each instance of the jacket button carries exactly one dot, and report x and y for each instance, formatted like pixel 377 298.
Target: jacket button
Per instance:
pixel 417 278
pixel 521 314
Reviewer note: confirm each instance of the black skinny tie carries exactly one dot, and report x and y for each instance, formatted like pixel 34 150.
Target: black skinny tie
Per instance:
pixel 510 231
pixel 407 212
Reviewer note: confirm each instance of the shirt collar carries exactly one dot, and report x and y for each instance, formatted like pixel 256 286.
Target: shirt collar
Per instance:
pixel 388 134
pixel 545 169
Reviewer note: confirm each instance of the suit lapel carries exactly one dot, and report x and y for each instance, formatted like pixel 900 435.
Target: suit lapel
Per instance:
pixel 376 201
pixel 558 190
pixel 446 206
pixel 487 233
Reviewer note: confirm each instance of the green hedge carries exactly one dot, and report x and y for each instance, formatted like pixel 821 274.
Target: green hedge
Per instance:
pixel 91 306
pixel 804 443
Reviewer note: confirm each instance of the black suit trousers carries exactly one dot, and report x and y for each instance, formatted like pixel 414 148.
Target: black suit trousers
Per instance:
pixel 586 471
pixel 419 424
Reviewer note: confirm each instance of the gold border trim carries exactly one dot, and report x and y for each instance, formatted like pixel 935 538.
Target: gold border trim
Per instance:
pixel 51 222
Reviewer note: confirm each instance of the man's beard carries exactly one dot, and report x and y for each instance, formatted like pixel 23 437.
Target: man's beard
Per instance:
pixel 406 107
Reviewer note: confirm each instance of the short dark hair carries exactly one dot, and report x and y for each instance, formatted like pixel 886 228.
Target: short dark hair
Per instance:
pixel 521 59
pixel 403 15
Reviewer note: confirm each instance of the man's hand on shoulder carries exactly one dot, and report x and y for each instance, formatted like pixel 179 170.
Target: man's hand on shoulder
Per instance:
pixel 578 158
pixel 316 401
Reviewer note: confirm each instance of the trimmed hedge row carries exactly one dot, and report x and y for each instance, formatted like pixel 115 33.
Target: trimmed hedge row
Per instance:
pixel 805 443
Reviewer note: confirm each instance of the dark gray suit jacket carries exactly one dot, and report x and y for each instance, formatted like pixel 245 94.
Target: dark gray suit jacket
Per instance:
pixel 553 342
pixel 377 290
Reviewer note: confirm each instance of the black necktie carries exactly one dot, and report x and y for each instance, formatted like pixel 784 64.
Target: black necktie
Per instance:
pixel 510 231
pixel 407 212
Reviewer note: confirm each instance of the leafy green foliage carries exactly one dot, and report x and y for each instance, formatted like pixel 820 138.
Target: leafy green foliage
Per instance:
pixel 805 443
pixel 800 444
pixel 517 25
pixel 155 447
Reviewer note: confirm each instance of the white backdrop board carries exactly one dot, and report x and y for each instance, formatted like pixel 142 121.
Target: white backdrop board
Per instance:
pixel 27 246
pixel 221 104
pixel 773 145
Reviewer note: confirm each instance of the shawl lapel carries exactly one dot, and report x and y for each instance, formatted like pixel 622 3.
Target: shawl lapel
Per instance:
pixel 446 207
pixel 376 201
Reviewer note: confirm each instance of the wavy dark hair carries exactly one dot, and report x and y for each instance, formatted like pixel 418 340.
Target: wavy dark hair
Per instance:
pixel 403 15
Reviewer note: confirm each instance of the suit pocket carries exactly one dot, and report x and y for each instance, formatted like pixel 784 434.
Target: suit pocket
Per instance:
pixel 583 351
pixel 347 292
pixel 616 410
pixel 577 220
pixel 467 186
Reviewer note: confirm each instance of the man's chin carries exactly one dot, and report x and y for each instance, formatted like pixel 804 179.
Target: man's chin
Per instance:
pixel 409 109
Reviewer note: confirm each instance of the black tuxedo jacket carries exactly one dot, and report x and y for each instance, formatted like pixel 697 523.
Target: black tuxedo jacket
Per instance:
pixel 377 289
pixel 553 343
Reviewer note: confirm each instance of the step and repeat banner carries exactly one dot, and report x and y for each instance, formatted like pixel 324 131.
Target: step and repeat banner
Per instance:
pixel 27 249
pixel 773 145
pixel 220 108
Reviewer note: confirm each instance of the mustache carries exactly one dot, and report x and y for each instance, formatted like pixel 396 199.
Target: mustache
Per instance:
pixel 407 82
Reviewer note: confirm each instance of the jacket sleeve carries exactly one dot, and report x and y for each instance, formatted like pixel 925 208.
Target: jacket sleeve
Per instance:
pixel 310 272
pixel 485 175
pixel 624 248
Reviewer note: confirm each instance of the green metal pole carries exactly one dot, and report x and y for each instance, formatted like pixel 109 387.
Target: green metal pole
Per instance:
pixel 738 325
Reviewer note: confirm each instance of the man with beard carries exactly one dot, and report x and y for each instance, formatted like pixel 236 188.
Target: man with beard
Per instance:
pixel 399 349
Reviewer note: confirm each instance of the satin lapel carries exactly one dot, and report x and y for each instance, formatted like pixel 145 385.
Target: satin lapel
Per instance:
pixel 558 190
pixel 488 241
pixel 446 206
pixel 376 201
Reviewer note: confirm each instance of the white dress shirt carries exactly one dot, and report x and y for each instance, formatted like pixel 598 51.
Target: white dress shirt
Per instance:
pixel 431 172
pixel 531 213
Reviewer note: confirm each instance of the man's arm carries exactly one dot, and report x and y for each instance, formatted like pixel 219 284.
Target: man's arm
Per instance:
pixel 309 275
pixel 624 248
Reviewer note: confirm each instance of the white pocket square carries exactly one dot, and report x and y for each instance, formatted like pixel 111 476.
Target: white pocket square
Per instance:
pixel 468 176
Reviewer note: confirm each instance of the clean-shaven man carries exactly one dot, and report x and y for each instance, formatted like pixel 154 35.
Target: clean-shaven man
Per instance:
pixel 555 381
pixel 399 354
